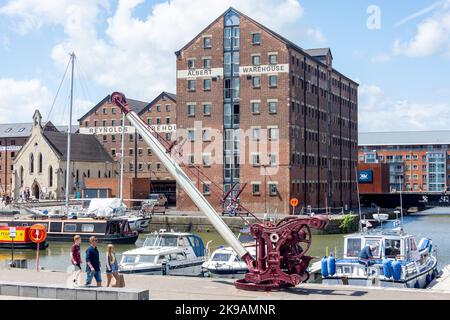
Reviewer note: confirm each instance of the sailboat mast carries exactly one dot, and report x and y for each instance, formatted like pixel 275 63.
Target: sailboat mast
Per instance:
pixel 69 133
pixel 359 200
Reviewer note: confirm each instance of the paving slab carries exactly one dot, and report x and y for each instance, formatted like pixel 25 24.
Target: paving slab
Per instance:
pixel 191 288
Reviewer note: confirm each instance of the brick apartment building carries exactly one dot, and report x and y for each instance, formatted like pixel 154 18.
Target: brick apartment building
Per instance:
pixel 238 75
pixel 105 121
pixel 418 161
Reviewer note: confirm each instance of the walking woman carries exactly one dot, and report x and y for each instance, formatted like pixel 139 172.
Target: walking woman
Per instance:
pixel 112 267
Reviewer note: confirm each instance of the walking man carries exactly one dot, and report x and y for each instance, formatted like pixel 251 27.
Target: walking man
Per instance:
pixel 93 263
pixel 75 256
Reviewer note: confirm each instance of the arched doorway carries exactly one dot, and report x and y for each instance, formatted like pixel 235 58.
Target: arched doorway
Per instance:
pixel 35 190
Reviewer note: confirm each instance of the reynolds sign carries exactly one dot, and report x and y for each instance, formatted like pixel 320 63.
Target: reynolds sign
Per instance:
pixel 128 129
pixel 365 176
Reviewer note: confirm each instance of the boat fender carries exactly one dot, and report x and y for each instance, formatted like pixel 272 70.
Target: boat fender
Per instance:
pixel 324 264
pixel 387 268
pixel 331 265
pixel 416 285
pixel 397 270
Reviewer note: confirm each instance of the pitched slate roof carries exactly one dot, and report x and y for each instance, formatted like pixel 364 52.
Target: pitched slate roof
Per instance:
pixel 403 138
pixel 23 130
pixel 15 130
pixel 171 96
pixel 135 105
pixel 83 147
pixel 319 52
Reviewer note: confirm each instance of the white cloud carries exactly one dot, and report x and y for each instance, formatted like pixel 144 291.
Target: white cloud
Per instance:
pixel 137 55
pixel 19 99
pixel 432 36
pixel 377 112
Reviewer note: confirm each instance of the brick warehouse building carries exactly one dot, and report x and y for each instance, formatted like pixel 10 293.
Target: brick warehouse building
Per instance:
pixel 105 121
pixel 418 161
pixel 239 75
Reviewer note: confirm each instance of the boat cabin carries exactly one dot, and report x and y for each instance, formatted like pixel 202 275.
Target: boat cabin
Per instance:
pixel 402 247
pixel 176 240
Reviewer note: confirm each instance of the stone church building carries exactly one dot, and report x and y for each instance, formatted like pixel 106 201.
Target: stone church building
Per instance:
pixel 40 166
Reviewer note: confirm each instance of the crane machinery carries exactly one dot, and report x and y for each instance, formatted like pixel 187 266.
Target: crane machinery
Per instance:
pixel 281 247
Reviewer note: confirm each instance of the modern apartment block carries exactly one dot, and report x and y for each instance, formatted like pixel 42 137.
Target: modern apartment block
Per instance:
pixel 288 120
pixel 418 161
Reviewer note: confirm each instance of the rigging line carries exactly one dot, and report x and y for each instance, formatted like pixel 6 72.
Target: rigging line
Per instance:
pixel 85 80
pixel 59 88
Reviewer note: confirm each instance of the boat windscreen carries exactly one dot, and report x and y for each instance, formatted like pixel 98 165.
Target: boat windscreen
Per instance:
pixel 129 258
pixel 151 241
pixel 161 241
pixel 221 257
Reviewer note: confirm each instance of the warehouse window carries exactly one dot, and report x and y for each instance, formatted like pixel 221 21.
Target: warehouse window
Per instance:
pixel 206 109
pixel 207 63
pixel 256 82
pixel 207 44
pixel 191 63
pixel 273 59
pixel 256 60
pixel 273 106
pixel 256 38
pixel 206 84
pixel 191 85
pixel 256 189
pixel 255 107
pixel 191 110
pixel 273 81
pixel 273 190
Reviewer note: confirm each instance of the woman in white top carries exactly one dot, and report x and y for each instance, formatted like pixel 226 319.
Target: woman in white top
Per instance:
pixel 112 267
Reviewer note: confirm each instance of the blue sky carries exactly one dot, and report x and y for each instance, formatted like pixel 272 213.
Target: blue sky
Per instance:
pixel 403 69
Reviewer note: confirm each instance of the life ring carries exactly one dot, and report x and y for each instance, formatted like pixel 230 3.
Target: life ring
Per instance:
pixel 274 237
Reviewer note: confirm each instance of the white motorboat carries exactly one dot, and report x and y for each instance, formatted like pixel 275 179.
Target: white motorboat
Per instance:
pixel 225 262
pixel 397 260
pixel 167 253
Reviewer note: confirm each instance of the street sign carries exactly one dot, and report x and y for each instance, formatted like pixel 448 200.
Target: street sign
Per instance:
pixel 37 233
pixel 12 232
pixel 294 202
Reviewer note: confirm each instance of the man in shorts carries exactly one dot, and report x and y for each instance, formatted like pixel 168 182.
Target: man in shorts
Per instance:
pixel 75 257
pixel 93 263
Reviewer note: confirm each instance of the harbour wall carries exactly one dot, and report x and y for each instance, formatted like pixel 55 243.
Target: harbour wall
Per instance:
pixel 202 224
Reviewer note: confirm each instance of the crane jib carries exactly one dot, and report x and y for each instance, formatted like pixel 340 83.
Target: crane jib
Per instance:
pixel 180 176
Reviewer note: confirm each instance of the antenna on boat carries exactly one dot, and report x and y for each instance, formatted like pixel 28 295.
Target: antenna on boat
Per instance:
pixel 401 205
pixel 69 133
pixel 359 200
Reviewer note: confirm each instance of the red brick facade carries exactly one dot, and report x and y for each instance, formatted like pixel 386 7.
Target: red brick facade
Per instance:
pixel 315 114
pixel 139 160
